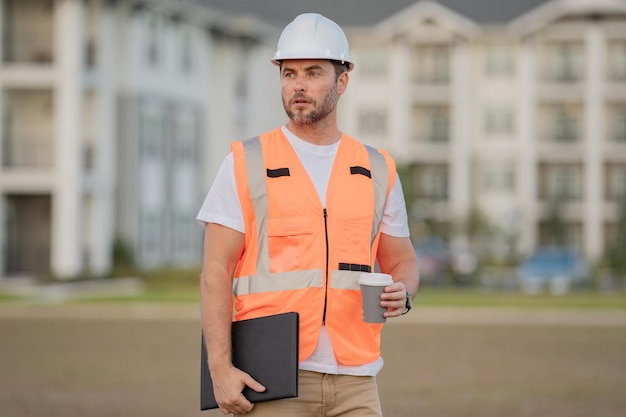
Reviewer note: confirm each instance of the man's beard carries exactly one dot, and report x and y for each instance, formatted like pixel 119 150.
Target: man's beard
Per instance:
pixel 318 113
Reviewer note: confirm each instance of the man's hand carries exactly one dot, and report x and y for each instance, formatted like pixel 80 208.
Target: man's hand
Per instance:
pixel 394 299
pixel 227 387
pixel 396 257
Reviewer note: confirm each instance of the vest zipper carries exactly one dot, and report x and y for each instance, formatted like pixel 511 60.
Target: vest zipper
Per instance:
pixel 326 272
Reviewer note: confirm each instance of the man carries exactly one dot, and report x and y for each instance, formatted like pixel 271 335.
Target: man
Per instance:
pixel 292 219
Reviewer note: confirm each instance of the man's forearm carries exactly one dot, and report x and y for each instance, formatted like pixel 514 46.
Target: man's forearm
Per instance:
pixel 222 248
pixel 216 302
pixel 397 258
pixel 407 273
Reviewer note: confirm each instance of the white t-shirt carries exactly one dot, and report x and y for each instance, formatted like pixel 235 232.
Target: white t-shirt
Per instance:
pixel 222 206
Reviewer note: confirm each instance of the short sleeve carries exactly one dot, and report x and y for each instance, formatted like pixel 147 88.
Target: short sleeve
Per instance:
pixel 395 219
pixel 221 204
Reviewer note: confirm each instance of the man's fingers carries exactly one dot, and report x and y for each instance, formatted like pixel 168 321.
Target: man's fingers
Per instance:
pixel 252 383
pixel 238 406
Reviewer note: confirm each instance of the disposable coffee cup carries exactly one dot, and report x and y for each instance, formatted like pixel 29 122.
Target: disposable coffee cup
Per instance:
pixel 372 286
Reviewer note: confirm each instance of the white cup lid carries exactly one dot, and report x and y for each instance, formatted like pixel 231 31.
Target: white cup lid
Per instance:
pixel 375 278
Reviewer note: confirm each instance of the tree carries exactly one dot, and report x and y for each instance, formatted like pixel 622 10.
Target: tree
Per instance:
pixel 616 251
pixel 554 227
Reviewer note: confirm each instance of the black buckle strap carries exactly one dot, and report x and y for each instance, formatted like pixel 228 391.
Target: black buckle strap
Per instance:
pixel 361 170
pixel 354 267
pixel 279 172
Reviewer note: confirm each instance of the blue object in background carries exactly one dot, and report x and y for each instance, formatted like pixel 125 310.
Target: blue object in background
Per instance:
pixel 555 267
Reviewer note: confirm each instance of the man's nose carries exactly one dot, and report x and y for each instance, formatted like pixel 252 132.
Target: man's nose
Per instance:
pixel 299 85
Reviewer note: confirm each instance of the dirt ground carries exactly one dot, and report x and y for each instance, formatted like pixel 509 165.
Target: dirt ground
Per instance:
pixel 57 366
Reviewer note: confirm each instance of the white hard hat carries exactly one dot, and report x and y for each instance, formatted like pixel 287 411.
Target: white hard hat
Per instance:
pixel 313 36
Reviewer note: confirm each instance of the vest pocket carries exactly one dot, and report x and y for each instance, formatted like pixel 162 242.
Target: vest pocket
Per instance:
pixel 355 237
pixel 285 241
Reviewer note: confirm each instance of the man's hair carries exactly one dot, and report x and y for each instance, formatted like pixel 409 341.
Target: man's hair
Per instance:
pixel 340 68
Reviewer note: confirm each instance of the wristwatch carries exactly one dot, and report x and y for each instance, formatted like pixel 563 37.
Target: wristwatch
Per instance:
pixel 409 303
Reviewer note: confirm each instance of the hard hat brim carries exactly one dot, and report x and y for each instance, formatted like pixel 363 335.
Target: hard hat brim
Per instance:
pixel 277 61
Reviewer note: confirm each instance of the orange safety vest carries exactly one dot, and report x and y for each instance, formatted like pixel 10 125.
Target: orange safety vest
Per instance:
pixel 300 256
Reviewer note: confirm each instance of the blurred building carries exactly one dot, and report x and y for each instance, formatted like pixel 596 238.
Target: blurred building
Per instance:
pixel 116 115
pixel 502 107
pixel 110 110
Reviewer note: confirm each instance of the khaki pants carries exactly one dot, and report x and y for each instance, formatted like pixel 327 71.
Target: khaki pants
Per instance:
pixel 325 395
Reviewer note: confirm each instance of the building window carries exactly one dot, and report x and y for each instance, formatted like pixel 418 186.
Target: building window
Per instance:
pixel 617 124
pixel 153 47
pixel 150 232
pixel 431 124
pixel 241 95
pixel 499 120
pixel 431 182
pixel 498 178
pixel 184 233
pixel 563 182
pixel 571 234
pixel 616 182
pixel 617 61
pixel 186 51
pixel 565 125
pixel 185 126
pixel 373 121
pixel 565 62
pixel 499 59
pixel 439 126
pixel 431 64
pixel 152 132
pixel 374 63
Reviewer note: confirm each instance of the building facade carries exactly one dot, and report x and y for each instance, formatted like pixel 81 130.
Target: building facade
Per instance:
pixel 115 116
pixel 508 117
pixel 110 114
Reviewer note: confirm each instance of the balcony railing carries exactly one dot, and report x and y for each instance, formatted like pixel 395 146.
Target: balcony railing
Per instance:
pixel 27 258
pixel 564 77
pixel 27 152
pixel 33 48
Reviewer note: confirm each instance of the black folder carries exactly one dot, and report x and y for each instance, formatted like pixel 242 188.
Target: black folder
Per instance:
pixel 267 349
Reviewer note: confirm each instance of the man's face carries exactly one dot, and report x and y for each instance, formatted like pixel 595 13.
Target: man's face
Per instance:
pixel 310 89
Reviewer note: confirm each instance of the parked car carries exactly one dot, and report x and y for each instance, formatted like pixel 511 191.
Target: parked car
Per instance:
pixel 439 264
pixel 463 264
pixel 433 259
pixel 553 268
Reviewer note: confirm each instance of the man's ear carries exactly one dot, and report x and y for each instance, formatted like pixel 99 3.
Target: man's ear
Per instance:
pixel 342 83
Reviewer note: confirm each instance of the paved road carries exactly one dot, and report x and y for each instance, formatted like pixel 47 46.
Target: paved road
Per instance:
pixel 123 360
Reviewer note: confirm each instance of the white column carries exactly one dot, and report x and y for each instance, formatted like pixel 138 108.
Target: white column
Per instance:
pixel 3 234
pixel 220 128
pixel 461 136
pixel 400 106
pixel 527 162
pixel 3 222
pixel 2 40
pixel 68 101
pixel 594 138
pixel 2 138
pixel 102 220
pixel 266 111
pixel 3 231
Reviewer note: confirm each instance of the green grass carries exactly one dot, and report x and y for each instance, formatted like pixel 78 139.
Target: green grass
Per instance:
pixel 152 295
pixel 432 297
pixel 182 286
pixel 580 299
pixel 164 286
pixel 7 297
